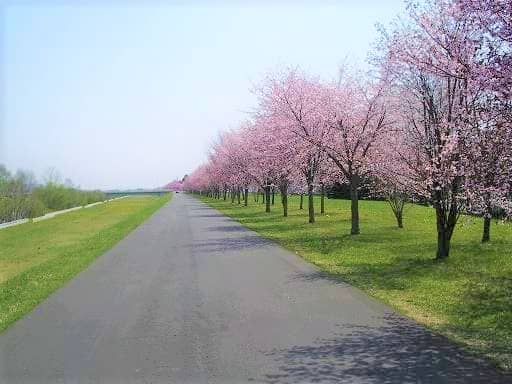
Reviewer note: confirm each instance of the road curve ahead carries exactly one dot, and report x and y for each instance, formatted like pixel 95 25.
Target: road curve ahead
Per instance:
pixel 192 297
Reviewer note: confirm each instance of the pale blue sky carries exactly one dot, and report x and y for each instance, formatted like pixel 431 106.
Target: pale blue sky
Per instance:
pixel 130 94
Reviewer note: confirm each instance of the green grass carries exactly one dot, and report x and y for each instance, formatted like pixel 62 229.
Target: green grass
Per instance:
pixel 467 297
pixel 38 258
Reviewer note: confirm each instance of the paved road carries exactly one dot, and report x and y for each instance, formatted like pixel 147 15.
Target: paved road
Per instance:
pixel 192 297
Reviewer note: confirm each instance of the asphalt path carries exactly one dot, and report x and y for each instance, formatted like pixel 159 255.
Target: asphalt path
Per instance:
pixel 191 296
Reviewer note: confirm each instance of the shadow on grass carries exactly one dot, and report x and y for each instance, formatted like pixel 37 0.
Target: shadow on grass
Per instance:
pixel 485 314
pixel 396 352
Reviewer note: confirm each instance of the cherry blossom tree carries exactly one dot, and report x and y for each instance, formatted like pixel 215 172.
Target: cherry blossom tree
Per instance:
pixel 436 125
pixel 274 157
pixel 431 62
pixel 175 185
pixel 231 159
pixel 291 102
pixel 489 167
pixel 199 180
pixel 488 174
pixel 492 20
pixel 357 119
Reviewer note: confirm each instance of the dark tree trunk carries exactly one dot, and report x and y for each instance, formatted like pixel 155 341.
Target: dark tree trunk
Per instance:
pixel 445 226
pixel 238 194
pixel 311 206
pixel 354 205
pixel 443 244
pixel 267 199
pixel 273 195
pixel 301 201
pixel 225 192
pixel 233 195
pixel 263 196
pixel 246 196
pixel 399 220
pixel 322 198
pixel 283 188
pixel 487 229
pixel 447 214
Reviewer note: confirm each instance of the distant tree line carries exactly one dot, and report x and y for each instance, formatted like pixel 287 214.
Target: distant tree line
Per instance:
pixel 22 196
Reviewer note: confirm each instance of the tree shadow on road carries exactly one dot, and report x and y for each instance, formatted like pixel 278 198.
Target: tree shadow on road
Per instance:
pixel 397 352
pixel 228 228
pixel 210 215
pixel 318 276
pixel 227 244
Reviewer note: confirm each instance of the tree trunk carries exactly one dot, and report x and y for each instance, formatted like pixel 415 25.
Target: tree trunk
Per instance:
pixel 399 220
pixel 443 234
pixel 267 199
pixel 322 198
pixel 284 198
pixel 273 195
pixel 263 196
pixel 354 206
pixel 246 196
pixel 225 192
pixel 443 245
pixel 301 201
pixel 311 206
pixel 238 194
pixel 447 213
pixel 397 202
pixel 487 229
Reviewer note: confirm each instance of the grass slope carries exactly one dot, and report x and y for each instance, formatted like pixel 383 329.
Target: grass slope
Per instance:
pixel 467 297
pixel 38 258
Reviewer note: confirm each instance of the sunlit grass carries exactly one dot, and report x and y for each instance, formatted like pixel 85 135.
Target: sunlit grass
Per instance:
pixel 37 258
pixel 467 297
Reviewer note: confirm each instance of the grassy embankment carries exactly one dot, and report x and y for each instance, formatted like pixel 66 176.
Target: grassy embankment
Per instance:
pixel 38 258
pixel 467 297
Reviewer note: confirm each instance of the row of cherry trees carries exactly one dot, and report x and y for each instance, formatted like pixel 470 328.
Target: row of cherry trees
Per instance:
pixel 433 122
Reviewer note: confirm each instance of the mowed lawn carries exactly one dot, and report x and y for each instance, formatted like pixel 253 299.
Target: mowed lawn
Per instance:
pixel 37 258
pixel 467 297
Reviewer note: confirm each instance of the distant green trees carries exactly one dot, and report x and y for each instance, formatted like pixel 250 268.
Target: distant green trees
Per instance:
pixel 22 197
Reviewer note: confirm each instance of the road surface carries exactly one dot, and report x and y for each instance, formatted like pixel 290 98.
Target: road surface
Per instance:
pixel 191 296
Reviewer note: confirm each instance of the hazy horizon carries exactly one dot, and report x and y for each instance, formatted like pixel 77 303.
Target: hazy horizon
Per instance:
pixel 131 94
